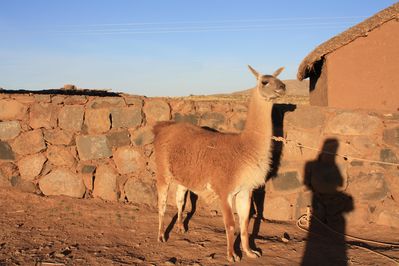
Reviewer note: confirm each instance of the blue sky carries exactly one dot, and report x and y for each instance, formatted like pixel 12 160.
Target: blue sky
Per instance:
pixel 164 48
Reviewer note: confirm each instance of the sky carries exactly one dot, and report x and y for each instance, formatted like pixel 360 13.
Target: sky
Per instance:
pixel 164 47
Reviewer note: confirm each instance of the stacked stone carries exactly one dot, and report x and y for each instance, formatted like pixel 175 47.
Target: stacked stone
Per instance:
pixel 372 187
pixel 85 146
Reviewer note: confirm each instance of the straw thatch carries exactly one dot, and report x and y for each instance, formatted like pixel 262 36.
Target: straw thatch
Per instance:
pixel 359 30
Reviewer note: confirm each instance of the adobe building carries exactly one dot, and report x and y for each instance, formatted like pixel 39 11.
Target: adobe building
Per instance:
pixel 358 68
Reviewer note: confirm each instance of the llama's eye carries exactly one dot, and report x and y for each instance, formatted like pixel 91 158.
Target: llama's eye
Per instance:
pixel 265 82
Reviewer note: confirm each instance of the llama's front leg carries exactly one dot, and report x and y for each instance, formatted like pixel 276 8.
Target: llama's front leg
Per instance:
pixel 228 219
pixel 162 188
pixel 243 205
pixel 180 195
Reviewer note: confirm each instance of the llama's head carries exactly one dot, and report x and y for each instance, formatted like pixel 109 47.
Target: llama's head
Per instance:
pixel 269 86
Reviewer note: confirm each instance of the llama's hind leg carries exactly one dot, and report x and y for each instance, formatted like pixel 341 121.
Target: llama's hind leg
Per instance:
pixel 180 195
pixel 243 205
pixel 162 188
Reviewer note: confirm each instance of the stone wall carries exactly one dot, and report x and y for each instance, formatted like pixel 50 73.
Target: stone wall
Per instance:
pixel 92 145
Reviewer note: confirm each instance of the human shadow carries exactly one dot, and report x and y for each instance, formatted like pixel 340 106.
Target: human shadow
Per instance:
pixel 329 204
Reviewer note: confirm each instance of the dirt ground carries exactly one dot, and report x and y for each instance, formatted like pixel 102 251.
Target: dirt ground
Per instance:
pixel 37 230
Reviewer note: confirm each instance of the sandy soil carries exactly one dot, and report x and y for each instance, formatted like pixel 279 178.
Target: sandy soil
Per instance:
pixel 37 230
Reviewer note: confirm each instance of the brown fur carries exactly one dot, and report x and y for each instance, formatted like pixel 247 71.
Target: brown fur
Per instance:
pixel 226 165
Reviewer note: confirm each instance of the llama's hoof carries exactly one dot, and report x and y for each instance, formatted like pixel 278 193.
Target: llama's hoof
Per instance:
pixel 180 229
pixel 161 238
pixel 253 254
pixel 233 258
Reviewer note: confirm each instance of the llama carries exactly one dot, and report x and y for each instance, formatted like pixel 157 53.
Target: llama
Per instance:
pixel 225 165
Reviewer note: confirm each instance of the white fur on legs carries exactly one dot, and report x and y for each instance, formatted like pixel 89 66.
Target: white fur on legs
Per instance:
pixel 180 195
pixel 162 200
pixel 243 205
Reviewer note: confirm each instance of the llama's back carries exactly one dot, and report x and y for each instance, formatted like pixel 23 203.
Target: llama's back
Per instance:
pixel 196 157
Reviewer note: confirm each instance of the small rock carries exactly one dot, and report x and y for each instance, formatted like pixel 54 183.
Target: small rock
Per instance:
pixel 286 238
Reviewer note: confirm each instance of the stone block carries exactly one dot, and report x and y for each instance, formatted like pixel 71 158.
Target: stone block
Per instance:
pixel 62 182
pixel 87 173
pixel 12 110
pixel 388 219
pixel 370 186
pixel 237 121
pixel 278 209
pixel 75 99
pixel 387 213
pixel 93 147
pixel 31 166
pixel 212 120
pixel 156 110
pixel 60 156
pixel 58 136
pixel 6 152
pixel 137 191
pixel 29 142
pixel 391 136
pixel 118 139
pixel 128 160
pixel 8 172
pixel 186 118
pixel 352 123
pixel 45 98
pixel 389 156
pixel 306 117
pixel 287 182
pixel 132 100
pixel 359 216
pixel 97 120
pixel 70 117
pixel 142 136
pixel 126 117
pixel 9 130
pixel 43 115
pixel 182 106
pixel 24 98
pixel 105 183
pixel 106 102
pixel 307 138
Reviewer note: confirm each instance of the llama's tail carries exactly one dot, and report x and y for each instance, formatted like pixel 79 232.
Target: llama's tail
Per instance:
pixel 160 125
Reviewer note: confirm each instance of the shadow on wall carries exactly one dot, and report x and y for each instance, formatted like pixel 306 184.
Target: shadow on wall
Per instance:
pixel 258 197
pixel 329 204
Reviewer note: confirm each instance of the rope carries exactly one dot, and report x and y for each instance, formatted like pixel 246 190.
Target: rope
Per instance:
pixel 346 157
pixel 303 224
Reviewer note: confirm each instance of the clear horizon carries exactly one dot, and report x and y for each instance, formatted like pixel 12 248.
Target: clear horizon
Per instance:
pixel 164 48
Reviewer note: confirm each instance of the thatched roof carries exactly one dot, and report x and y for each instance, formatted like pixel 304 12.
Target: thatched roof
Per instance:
pixel 359 30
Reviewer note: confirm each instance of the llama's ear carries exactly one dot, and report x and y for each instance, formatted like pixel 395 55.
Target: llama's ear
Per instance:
pixel 278 71
pixel 256 74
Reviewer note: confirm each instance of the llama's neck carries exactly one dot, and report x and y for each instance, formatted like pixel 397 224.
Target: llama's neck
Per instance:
pixel 258 127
